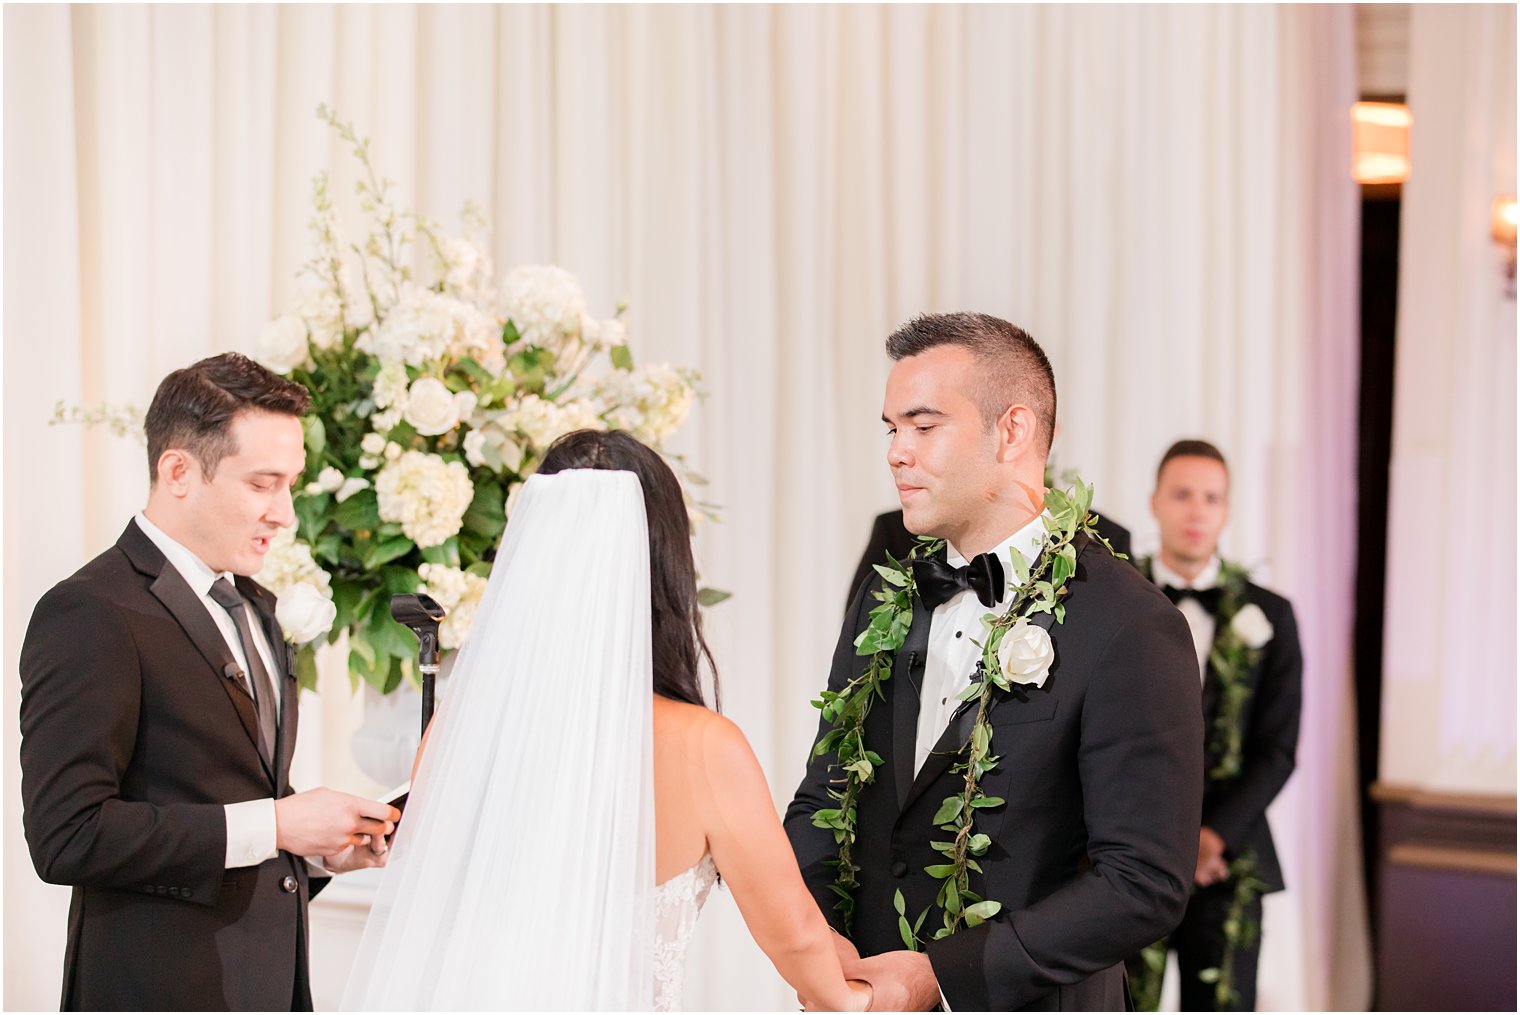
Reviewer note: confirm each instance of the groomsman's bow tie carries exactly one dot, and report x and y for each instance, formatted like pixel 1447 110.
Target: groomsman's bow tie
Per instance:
pixel 1207 598
pixel 939 580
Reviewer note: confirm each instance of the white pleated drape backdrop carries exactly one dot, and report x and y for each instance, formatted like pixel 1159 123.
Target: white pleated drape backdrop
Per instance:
pixel 1161 195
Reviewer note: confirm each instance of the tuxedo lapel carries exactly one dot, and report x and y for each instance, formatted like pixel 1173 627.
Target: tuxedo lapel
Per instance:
pixel 170 588
pixel 956 735
pixel 907 678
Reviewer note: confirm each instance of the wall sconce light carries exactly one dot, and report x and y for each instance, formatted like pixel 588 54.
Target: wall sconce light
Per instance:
pixel 1504 235
pixel 1380 134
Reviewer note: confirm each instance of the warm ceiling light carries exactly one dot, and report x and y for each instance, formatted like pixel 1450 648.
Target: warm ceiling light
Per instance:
pixel 1380 132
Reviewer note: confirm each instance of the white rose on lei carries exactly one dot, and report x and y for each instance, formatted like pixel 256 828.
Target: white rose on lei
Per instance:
pixel 304 612
pixel 431 407
pixel 1025 653
pixel 283 344
pixel 1252 626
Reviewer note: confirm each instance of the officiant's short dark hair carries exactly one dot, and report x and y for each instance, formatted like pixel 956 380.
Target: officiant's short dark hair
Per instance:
pixel 1191 447
pixel 1015 370
pixel 194 407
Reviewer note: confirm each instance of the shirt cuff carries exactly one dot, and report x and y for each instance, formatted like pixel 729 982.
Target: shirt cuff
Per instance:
pixel 944 1005
pixel 250 833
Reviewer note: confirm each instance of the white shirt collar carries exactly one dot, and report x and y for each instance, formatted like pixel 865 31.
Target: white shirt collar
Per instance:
pixel 1207 578
pixel 1026 540
pixel 196 572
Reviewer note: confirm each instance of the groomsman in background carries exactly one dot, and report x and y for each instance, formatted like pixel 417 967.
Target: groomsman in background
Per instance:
pixel 1250 664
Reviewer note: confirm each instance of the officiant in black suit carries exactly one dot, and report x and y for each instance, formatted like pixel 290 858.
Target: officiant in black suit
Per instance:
pixel 1100 766
pixel 158 718
pixel 1246 645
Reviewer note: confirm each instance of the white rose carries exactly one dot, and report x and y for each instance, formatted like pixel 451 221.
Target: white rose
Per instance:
pixel 349 488
pixel 1025 654
pixel 373 444
pixel 464 404
pixel 283 344
pixel 430 407
pixel 474 445
pixel 304 612
pixel 1252 626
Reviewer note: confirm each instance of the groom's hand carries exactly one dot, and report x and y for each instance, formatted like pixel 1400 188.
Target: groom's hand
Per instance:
pixel 324 822
pixel 900 981
pixel 371 854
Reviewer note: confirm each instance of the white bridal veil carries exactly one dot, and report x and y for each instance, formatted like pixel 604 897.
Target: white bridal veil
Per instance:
pixel 522 875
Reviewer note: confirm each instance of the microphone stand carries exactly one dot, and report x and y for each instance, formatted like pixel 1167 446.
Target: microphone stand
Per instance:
pixel 422 614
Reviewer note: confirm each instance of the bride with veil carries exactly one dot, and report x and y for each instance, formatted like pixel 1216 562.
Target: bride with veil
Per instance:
pixel 574 799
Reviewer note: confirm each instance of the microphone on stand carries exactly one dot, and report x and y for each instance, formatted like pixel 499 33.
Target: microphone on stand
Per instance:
pixel 422 614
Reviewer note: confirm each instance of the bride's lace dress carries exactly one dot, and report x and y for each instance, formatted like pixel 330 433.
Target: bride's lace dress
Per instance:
pixel 678 902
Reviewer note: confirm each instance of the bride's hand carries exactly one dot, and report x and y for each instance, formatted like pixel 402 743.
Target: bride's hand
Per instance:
pixel 861 995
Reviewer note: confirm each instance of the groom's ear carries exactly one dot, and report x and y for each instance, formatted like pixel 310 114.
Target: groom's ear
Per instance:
pixel 1018 433
pixel 173 471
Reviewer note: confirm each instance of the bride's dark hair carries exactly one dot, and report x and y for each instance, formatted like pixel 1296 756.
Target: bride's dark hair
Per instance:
pixel 679 647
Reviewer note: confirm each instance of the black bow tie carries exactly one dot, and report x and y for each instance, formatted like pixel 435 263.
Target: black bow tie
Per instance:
pixel 939 580
pixel 1207 598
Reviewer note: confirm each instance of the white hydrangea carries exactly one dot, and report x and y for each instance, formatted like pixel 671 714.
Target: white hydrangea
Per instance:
pixel 542 421
pixel 650 401
pixel 289 562
pixel 426 495
pixel 546 304
pixel 457 591
pixel 424 325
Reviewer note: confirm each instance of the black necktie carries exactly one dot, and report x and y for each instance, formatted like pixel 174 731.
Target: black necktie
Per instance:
pixel 939 580
pixel 233 602
pixel 1207 598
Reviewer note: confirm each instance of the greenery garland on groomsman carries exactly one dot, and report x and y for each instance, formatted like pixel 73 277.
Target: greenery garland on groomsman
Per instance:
pixel 1237 648
pixel 1016 651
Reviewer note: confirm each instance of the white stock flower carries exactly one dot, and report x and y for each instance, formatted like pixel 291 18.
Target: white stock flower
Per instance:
pixel 430 407
pixel 467 269
pixel 283 344
pixel 304 612
pixel 373 444
pixel 458 592
pixel 329 479
pixel 349 488
pixel 319 306
pixel 613 333
pixel 385 422
pixel 391 384
pixel 1025 653
pixel 1252 626
pixel 426 495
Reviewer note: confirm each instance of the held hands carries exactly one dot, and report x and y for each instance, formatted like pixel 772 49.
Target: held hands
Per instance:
pixel 900 981
pixel 1212 866
pixel 347 831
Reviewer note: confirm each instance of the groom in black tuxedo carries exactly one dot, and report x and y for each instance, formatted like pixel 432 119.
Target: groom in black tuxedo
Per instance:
pixel 1100 766
pixel 1191 504
pixel 158 718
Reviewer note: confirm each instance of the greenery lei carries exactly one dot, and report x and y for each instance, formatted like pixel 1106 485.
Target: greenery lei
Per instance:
pixel 1232 660
pixel 1039 589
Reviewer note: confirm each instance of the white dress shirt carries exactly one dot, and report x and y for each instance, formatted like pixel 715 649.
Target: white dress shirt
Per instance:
pixel 1200 620
pixel 250 824
pixel 956 637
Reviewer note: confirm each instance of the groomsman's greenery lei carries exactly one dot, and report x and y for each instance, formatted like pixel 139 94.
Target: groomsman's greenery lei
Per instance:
pixel 1040 589
pixel 1232 660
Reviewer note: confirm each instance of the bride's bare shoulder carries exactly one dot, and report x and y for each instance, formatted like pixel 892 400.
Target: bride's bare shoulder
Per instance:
pixel 700 732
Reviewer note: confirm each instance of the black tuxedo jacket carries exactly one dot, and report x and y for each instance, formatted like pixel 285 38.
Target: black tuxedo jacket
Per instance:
pixel 889 534
pixel 1237 808
pixel 1102 768
pixel 132 740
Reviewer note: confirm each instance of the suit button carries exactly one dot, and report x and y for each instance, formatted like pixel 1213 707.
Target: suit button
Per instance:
pixel 899 869
pixel 288 883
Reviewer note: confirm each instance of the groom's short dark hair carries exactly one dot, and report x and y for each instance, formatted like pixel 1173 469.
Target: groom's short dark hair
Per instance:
pixel 1015 370
pixel 194 407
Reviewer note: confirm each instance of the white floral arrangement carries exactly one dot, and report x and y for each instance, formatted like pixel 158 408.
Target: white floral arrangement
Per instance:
pixel 433 399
